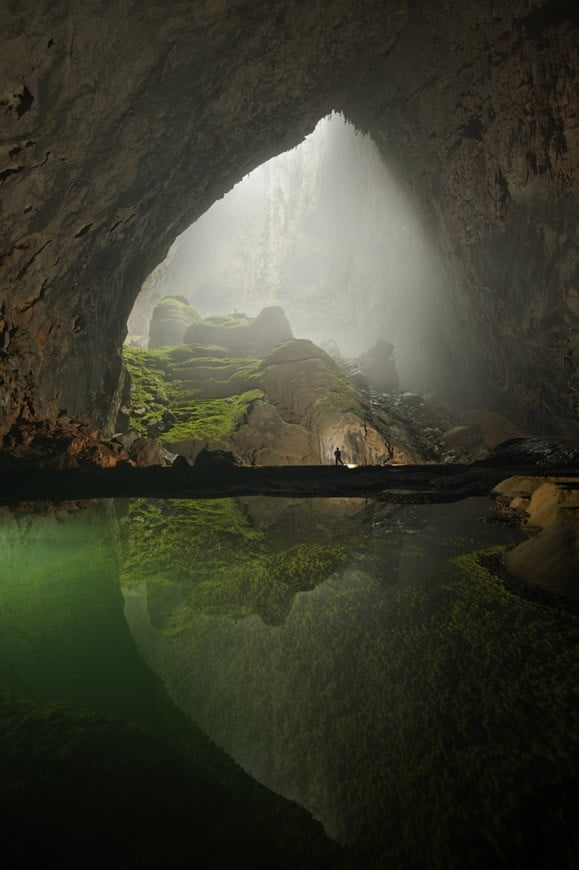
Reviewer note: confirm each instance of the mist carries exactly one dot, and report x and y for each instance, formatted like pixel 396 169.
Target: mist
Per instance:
pixel 325 232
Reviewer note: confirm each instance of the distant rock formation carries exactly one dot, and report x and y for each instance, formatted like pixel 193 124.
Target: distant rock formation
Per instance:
pixel 171 318
pixel 378 365
pixel 242 335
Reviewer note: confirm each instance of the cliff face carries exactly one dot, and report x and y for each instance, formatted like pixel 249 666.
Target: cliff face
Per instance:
pixel 120 127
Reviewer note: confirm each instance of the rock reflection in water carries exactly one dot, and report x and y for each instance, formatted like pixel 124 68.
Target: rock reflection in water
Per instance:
pixel 415 707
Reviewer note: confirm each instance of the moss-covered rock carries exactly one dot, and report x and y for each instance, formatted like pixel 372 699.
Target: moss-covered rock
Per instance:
pixel 243 335
pixel 310 405
pixel 192 400
pixel 308 388
pixel 172 316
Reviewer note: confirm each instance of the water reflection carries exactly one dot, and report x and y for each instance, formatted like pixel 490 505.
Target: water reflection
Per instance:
pixel 393 688
pixel 350 655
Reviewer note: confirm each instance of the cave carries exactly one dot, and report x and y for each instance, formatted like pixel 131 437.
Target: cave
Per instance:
pixel 117 137
pixel 185 639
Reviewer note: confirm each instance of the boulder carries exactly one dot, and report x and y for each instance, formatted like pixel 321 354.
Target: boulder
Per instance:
pixel 544 499
pixel 181 463
pixel 463 439
pixel 518 486
pixel 146 452
pixel 552 501
pixel 494 428
pixel 267 439
pixel 549 560
pixel 533 451
pixel 216 460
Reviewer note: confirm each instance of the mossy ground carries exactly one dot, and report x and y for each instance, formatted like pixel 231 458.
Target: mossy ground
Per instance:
pixel 175 379
pixel 212 421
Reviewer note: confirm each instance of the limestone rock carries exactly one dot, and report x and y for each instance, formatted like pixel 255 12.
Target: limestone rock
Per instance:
pixel 494 428
pixel 308 388
pixel 554 500
pixel 545 500
pixel 533 451
pixel 243 336
pixel 518 486
pixel 171 319
pixel 463 440
pixel 146 452
pixel 181 463
pixel 549 560
pixel 267 439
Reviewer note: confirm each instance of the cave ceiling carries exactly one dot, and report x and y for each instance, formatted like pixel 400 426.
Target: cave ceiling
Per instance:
pixel 123 122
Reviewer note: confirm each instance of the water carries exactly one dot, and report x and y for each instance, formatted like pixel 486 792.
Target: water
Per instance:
pixel 351 656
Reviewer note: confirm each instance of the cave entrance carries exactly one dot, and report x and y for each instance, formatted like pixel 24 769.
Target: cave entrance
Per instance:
pixel 323 231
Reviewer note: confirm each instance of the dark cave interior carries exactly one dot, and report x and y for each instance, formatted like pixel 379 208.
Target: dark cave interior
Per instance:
pixel 153 644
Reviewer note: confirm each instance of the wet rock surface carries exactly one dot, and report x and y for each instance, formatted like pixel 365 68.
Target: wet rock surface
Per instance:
pixel 549 508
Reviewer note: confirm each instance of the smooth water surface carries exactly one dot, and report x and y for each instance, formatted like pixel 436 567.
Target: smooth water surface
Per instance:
pixel 352 656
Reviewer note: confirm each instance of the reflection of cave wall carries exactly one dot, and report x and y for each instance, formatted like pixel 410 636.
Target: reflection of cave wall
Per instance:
pixel 121 126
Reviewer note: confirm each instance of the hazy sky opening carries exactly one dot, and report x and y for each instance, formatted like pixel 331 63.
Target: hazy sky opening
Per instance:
pixel 322 230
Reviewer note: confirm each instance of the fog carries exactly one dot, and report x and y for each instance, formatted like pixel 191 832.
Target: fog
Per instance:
pixel 324 231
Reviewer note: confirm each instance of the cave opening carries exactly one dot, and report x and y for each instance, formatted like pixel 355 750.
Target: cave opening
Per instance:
pixel 325 232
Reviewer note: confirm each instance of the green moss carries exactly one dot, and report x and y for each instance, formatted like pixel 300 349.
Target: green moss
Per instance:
pixel 186 311
pixel 228 320
pixel 210 420
pixel 216 562
pixel 174 379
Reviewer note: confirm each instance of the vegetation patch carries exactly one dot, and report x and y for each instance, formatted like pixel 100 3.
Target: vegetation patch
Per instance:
pixel 186 312
pixel 212 421
pixel 228 320
pixel 176 380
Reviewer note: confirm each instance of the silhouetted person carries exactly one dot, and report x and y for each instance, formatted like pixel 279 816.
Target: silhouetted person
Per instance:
pixel 338 456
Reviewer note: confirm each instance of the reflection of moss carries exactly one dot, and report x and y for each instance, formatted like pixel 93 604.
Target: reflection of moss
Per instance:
pixel 447 708
pixel 75 784
pixel 79 788
pixel 218 563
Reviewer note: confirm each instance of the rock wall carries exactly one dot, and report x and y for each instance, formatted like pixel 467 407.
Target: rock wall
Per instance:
pixel 122 125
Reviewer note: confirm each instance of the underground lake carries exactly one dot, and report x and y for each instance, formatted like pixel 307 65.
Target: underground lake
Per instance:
pixel 299 682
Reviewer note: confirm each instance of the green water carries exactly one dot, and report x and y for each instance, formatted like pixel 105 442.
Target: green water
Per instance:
pixel 352 657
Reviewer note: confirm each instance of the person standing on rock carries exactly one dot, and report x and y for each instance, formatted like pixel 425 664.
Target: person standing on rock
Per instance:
pixel 338 456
